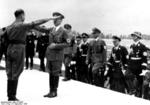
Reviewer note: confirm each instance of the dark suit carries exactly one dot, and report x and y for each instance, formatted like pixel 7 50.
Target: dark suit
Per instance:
pixel 42 44
pixel 137 63
pixel 84 67
pixel 30 49
pixel 96 56
pixel 117 60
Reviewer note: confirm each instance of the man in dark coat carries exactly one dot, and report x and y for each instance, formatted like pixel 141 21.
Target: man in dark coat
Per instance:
pixel 16 35
pixel 30 48
pixel 3 44
pixel 77 58
pixel 137 62
pixel 117 61
pixel 41 47
pixel 96 56
pixel 84 49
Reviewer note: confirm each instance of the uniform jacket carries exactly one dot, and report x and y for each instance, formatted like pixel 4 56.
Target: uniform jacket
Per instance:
pixel 137 57
pixel 60 38
pixel 71 39
pixel 97 51
pixel 42 43
pixel 118 55
pixel 30 45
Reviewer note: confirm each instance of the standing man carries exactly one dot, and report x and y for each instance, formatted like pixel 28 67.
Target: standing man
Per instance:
pixel 77 58
pixel 68 52
pixel 3 44
pixel 117 61
pixel 137 63
pixel 97 57
pixel 16 34
pixel 30 49
pixel 84 49
pixel 58 40
pixel 42 43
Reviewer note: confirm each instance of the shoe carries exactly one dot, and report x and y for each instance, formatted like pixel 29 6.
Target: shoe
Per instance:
pixel 13 99
pixel 66 79
pixel 51 95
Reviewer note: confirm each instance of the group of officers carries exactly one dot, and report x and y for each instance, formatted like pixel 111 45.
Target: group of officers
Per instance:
pixel 120 71
pixel 84 56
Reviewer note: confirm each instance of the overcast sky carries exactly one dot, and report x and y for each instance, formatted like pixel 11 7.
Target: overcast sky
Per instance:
pixel 111 16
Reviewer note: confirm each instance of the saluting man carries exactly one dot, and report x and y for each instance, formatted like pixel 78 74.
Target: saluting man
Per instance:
pixel 58 40
pixel 97 57
pixel 16 35
pixel 137 63
pixel 117 61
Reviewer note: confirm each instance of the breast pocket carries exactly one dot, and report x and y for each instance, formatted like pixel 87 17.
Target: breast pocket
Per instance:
pixel 99 48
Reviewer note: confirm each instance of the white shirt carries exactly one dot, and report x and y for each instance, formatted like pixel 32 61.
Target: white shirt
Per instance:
pixel 97 39
pixel 116 47
pixel 57 28
pixel 136 43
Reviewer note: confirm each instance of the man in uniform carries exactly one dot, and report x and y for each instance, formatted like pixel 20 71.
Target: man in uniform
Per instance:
pixel 58 40
pixel 3 44
pixel 68 52
pixel 77 58
pixel 41 47
pixel 117 61
pixel 97 57
pixel 137 63
pixel 30 48
pixel 16 34
pixel 84 49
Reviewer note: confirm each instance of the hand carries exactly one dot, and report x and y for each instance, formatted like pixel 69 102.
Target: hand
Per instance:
pixel 87 62
pixel 52 45
pixel 54 18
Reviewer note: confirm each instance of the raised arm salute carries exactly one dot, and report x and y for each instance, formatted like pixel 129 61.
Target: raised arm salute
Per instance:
pixel 16 35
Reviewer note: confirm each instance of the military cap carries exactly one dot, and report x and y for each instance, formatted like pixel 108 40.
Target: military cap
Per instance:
pixel 116 37
pixel 96 30
pixel 85 35
pixel 78 36
pixel 67 26
pixel 58 15
pixel 138 34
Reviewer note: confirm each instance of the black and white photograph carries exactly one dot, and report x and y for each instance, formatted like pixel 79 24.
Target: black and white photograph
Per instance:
pixel 74 52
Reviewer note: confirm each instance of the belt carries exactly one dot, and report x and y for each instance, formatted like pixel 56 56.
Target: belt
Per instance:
pixel 136 58
pixel 117 61
pixel 84 55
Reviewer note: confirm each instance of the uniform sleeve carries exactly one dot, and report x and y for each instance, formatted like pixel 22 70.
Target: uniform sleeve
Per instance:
pixel 110 59
pixel 144 56
pixel 104 53
pixel 88 53
pixel 43 29
pixel 27 26
pixel 124 56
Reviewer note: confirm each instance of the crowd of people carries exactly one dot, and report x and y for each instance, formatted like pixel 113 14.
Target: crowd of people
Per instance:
pixel 85 57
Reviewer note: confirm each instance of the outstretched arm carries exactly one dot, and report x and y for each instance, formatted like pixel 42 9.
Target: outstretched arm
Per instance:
pixel 33 24
pixel 42 29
